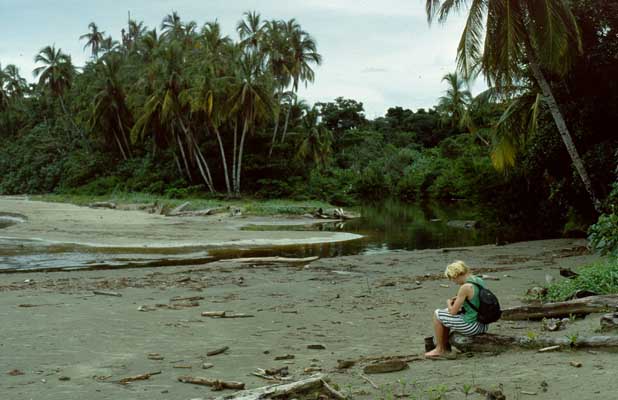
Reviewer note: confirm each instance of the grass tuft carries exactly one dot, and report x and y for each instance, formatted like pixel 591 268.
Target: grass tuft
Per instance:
pixel 600 278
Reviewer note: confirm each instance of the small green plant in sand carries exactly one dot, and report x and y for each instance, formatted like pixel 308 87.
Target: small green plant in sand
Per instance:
pixel 600 278
pixel 573 339
pixel 467 389
pixel 532 336
pixel 437 392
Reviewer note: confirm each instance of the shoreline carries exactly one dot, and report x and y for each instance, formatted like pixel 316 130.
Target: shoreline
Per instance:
pixel 66 224
pixel 354 306
pixel 127 238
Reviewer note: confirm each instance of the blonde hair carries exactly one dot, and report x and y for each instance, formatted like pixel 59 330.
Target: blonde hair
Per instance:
pixel 455 269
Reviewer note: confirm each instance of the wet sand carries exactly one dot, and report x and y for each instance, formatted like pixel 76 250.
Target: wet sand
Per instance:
pixel 357 306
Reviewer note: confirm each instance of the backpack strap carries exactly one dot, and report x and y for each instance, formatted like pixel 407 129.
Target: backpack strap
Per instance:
pixel 475 308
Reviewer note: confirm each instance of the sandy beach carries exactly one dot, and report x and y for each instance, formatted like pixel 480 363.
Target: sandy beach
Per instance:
pixel 59 223
pixel 68 343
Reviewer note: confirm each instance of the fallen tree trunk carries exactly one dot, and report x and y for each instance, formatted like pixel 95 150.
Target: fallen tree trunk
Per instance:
pixel 268 392
pixel 197 213
pixel 583 306
pixel 498 343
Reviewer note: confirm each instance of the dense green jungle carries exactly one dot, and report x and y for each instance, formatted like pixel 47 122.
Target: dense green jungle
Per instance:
pixel 182 110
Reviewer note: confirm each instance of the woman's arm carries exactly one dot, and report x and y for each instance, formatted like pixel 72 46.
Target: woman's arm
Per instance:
pixel 465 291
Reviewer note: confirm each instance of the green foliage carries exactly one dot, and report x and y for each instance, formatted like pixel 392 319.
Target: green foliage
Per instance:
pixel 603 235
pixel 158 113
pixel 335 186
pixel 600 278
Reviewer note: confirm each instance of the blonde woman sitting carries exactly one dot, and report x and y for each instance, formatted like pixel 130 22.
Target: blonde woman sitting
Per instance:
pixel 451 318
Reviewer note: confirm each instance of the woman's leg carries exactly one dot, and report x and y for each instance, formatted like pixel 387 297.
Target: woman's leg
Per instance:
pixel 441 333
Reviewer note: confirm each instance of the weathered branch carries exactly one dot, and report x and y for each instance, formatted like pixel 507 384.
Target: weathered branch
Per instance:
pixel 268 392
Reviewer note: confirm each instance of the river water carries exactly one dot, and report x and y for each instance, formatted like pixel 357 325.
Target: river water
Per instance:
pixel 386 227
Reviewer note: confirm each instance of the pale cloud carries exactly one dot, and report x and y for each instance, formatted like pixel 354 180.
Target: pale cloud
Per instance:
pixel 379 52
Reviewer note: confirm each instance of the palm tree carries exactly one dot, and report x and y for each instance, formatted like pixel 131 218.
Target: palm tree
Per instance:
pixel 539 34
pixel 208 99
pixel 251 101
pixel 251 30
pixel 135 32
pixel 16 85
pixel 278 49
pixel 111 116
pixel 317 142
pixel 109 45
pixel 164 111
pixel 95 39
pixel 148 43
pixel 304 54
pixel 172 26
pixel 454 104
pixel 213 39
pixel 56 74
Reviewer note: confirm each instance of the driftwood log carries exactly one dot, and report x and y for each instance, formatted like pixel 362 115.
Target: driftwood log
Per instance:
pixel 583 306
pixel 179 209
pixel 385 366
pixel 215 384
pixel 140 377
pixel 316 382
pixel 498 343
pixel 103 204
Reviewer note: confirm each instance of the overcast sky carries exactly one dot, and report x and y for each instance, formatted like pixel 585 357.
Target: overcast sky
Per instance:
pixel 379 52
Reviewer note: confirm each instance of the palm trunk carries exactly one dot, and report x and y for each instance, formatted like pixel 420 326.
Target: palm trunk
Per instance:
pixel 205 176
pixel 199 157
pixel 564 131
pixel 184 158
pixel 223 159
pixel 124 156
pixel 234 155
pixel 272 143
pixel 240 151
pixel 124 135
pixel 285 127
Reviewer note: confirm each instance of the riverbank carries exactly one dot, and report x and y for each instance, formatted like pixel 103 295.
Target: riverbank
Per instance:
pixel 72 344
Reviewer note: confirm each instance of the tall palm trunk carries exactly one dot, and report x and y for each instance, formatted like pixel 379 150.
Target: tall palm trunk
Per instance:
pixel 272 143
pixel 124 136
pixel 285 127
pixel 564 131
pixel 234 155
pixel 199 157
pixel 240 152
pixel 223 159
pixel 199 160
pixel 184 157
pixel 124 156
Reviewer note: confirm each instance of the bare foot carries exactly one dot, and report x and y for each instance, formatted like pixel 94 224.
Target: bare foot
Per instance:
pixel 434 353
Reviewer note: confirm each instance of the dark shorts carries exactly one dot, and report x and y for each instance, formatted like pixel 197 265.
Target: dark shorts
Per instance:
pixel 456 323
